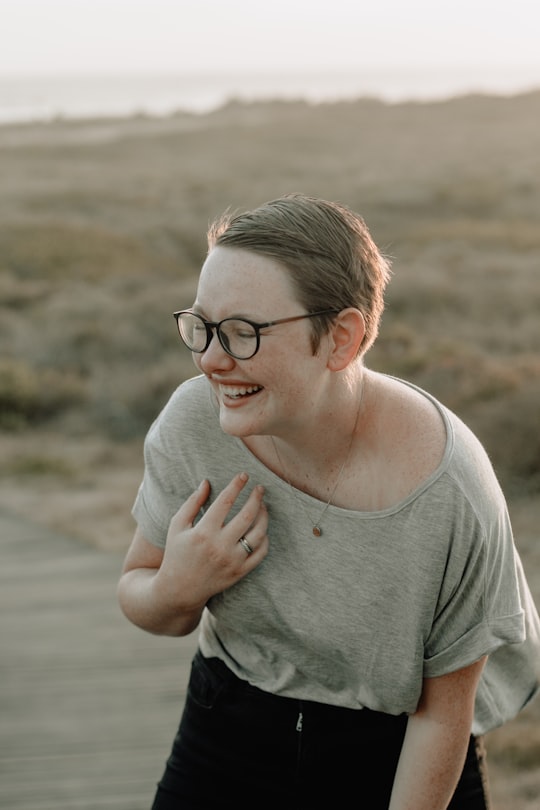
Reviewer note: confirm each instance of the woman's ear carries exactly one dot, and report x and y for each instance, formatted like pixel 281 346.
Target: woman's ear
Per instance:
pixel 345 338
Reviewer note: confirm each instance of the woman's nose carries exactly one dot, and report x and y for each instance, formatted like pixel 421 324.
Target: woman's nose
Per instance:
pixel 215 357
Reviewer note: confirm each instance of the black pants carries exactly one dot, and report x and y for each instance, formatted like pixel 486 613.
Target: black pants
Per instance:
pixel 240 747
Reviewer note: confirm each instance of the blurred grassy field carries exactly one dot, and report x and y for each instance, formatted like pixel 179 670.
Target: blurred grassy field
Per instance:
pixel 103 232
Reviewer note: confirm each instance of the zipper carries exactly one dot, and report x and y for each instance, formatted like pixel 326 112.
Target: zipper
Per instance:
pixel 299 741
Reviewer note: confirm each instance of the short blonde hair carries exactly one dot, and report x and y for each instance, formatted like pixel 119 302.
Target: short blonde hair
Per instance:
pixel 327 249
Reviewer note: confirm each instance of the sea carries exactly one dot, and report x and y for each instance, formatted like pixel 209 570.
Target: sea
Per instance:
pixel 25 99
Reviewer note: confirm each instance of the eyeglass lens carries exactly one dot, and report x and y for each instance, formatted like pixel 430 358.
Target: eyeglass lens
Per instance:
pixel 237 337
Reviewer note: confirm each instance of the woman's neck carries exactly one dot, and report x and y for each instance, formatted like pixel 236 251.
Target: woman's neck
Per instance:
pixel 311 457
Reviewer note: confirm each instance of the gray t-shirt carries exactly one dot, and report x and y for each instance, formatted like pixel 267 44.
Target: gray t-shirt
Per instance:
pixel 359 616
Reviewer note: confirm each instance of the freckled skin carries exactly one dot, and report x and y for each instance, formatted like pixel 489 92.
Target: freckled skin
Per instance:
pixel 291 378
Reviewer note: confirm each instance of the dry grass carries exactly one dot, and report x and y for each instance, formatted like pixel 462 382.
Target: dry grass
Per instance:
pixel 102 236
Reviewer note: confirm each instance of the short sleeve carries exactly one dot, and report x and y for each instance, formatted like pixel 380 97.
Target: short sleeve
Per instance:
pixel 511 677
pixel 175 461
pixel 156 501
pixel 479 607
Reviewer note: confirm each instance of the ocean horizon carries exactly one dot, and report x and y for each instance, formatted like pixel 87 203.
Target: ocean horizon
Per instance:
pixel 26 99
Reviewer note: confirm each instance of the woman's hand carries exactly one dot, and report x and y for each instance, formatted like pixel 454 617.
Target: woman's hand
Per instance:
pixel 207 558
pixel 165 592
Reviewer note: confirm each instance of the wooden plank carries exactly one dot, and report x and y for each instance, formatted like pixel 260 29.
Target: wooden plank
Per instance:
pixel 89 704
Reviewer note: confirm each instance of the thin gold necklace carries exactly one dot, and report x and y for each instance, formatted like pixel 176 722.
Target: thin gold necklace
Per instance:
pixel 316 529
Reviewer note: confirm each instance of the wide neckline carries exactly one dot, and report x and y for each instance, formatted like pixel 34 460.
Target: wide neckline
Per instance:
pixel 313 502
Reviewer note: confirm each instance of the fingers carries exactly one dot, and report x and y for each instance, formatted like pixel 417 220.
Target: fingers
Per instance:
pixel 191 507
pixel 249 524
pixel 255 538
pixel 205 557
pixel 215 518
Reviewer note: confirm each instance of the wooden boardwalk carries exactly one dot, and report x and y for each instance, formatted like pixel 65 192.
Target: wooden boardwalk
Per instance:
pixel 89 704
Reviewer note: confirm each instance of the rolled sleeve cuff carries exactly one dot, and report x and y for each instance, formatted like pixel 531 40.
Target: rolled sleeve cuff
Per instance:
pixel 483 639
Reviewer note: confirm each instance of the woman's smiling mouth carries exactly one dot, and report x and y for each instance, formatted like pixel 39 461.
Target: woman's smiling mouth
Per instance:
pixel 239 391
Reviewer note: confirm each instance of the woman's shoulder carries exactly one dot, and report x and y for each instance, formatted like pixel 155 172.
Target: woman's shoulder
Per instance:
pixel 194 392
pixel 410 426
pixel 189 410
pixel 192 395
pixel 444 442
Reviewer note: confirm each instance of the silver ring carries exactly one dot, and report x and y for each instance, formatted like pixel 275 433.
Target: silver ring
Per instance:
pixel 245 545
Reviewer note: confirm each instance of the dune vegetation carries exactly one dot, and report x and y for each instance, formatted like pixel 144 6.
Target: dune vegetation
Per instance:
pixel 103 232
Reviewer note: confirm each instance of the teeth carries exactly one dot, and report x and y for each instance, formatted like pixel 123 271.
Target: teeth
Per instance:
pixel 234 392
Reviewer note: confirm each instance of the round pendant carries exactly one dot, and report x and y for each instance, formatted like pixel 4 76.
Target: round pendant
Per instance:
pixel 316 531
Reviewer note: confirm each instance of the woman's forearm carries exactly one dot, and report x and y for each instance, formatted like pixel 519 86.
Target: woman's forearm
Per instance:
pixel 430 764
pixel 143 598
pixel 436 741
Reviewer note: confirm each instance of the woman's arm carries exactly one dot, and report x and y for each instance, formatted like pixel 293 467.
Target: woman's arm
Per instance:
pixel 436 741
pixel 165 591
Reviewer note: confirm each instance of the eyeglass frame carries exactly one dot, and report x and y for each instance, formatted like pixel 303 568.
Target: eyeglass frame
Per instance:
pixel 210 326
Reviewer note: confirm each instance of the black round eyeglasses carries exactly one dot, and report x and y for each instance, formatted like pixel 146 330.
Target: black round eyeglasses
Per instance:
pixel 239 337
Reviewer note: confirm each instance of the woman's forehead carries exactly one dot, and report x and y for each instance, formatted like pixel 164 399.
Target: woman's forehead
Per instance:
pixel 238 275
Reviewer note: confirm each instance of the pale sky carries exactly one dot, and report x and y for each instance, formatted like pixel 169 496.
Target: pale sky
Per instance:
pixel 119 36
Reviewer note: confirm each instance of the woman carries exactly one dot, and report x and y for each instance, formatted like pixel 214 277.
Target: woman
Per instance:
pixel 336 534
